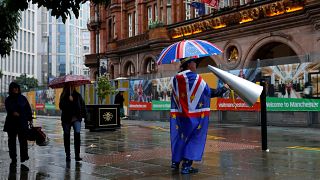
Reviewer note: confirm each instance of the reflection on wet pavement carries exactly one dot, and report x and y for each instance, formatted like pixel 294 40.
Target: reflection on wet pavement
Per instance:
pixel 141 150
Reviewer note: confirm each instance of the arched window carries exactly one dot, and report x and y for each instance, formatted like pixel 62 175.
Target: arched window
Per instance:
pixel 150 66
pixel 130 70
pixel 111 72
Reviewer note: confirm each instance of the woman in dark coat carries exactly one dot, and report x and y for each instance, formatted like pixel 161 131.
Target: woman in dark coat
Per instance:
pixel 119 99
pixel 73 110
pixel 18 114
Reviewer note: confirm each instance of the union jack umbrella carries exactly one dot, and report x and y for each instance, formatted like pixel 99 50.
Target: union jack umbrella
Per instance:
pixel 74 80
pixel 187 49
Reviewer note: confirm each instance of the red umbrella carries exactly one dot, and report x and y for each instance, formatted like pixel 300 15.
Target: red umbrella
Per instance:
pixel 74 80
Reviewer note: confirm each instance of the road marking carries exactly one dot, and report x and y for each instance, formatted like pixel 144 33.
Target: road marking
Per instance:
pixel 305 148
pixel 209 137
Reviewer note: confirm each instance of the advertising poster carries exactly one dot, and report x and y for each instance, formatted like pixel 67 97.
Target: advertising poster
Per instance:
pixel 103 67
pixel 231 101
pixel 161 93
pixel 300 80
pixel 31 99
pixel 293 87
pixel 140 95
pixel 49 97
pixel 40 99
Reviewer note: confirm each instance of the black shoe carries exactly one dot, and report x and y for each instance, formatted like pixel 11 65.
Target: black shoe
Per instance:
pixel 189 170
pixel 78 159
pixel 24 168
pixel 68 159
pixel 175 166
pixel 24 159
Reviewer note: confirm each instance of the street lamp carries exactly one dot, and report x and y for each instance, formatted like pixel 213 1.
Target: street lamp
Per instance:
pixel 48 73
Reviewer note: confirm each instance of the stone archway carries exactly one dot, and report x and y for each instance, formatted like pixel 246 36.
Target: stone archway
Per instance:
pixel 205 61
pixel 148 66
pixel 272 47
pixel 129 69
pixel 274 50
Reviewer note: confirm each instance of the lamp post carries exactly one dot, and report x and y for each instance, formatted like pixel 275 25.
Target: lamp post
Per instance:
pixel 48 73
pixel 97 20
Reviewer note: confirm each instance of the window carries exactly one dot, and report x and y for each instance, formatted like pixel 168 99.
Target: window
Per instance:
pixel 243 2
pixel 130 25
pixel 130 69
pixel 149 15
pixel 136 26
pixel 188 9
pixel 156 12
pixel 161 14
pixel 169 20
pixel 151 66
pixel 114 27
pixel 224 3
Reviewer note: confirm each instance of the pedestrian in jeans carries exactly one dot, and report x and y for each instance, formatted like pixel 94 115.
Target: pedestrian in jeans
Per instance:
pixel 73 110
pixel 19 114
pixel 189 115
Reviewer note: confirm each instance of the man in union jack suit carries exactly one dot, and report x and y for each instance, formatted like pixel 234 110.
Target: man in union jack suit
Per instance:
pixel 189 116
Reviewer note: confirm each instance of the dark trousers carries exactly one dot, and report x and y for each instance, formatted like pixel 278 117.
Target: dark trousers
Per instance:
pixel 66 137
pixel 12 140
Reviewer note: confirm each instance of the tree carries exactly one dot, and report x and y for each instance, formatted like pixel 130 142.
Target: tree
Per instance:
pixel 10 16
pixel 26 83
pixel 9 27
pixel 104 87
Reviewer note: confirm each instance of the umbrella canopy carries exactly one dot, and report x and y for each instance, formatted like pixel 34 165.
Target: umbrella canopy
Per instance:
pixel 74 80
pixel 187 48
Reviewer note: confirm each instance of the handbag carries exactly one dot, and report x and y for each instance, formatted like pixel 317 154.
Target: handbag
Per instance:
pixel 36 134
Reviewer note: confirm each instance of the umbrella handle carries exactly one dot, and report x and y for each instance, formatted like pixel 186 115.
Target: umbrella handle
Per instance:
pixel 70 95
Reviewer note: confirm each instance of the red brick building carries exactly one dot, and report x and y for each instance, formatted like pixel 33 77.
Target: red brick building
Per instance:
pixel 130 34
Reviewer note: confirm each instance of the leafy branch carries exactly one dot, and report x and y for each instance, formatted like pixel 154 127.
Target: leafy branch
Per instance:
pixel 104 87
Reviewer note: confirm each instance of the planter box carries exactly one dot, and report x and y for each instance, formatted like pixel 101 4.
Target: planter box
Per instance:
pixel 102 117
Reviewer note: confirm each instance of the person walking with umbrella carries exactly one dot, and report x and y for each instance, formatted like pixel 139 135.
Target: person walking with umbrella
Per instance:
pixel 73 110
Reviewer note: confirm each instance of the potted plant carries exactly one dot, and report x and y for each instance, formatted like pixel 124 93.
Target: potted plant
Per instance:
pixel 103 116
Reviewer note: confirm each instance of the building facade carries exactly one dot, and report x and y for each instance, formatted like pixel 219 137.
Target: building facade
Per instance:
pixel 42 39
pixel 23 56
pixel 131 34
pixel 62 45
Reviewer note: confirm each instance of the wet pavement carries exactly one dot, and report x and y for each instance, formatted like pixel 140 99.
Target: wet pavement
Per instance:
pixel 141 150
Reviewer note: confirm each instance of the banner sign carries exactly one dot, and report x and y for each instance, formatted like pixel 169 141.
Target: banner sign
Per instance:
pixel 292 104
pixel 134 105
pixel 161 105
pixel 236 105
pixel 50 106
